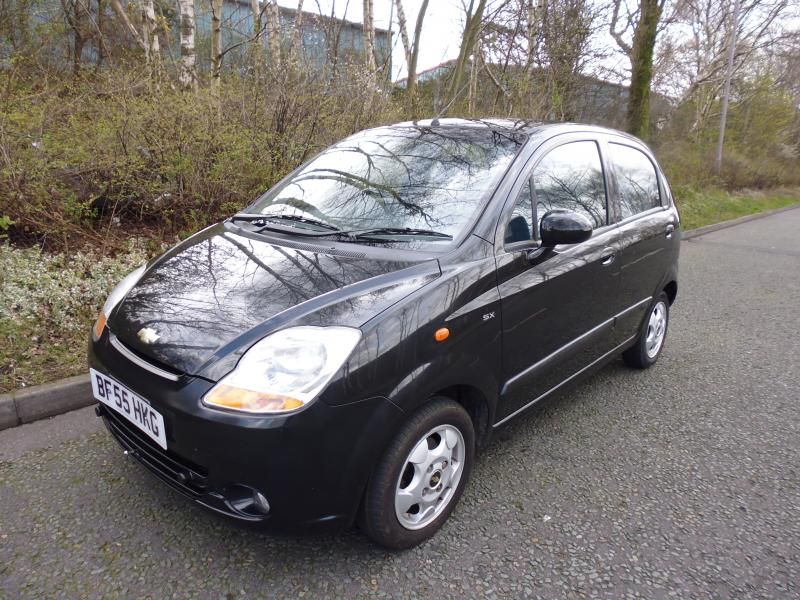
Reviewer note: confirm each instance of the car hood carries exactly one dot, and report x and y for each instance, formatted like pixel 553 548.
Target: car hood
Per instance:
pixel 208 299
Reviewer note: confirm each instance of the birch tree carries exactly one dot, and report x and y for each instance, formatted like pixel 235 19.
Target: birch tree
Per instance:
pixel 187 75
pixel 368 32
pixel 255 13
pixel 216 41
pixel 274 32
pixel 411 50
pixel 150 33
pixel 297 37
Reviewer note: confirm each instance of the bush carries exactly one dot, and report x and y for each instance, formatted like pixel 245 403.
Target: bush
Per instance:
pixel 93 160
pixel 47 305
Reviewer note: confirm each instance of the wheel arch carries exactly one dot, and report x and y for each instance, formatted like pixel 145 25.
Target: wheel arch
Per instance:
pixel 477 406
pixel 671 290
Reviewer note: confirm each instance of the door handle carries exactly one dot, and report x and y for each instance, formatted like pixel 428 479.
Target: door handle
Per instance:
pixel 670 229
pixel 608 257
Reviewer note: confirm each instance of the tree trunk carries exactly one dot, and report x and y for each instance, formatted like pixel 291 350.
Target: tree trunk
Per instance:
pixel 274 32
pixel 368 31
pixel 533 19
pixel 471 29
pixel 216 41
pixel 152 50
pixel 297 40
pixel 255 12
pixel 401 23
pixel 188 69
pixel 411 86
pixel 644 41
pixel 120 10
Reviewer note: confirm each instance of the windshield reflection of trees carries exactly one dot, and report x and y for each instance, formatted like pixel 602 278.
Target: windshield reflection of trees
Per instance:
pixel 399 176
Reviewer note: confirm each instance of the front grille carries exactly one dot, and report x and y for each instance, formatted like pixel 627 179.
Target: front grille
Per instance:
pixel 189 479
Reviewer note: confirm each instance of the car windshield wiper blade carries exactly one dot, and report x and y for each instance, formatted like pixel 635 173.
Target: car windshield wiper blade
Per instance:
pixel 251 218
pixel 402 231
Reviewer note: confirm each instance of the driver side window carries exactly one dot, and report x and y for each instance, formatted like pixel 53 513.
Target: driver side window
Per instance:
pixel 569 176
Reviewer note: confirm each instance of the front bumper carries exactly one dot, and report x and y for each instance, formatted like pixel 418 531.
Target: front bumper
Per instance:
pixel 311 466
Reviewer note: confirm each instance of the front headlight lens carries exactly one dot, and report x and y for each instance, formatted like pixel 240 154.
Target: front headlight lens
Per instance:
pixel 285 370
pixel 117 294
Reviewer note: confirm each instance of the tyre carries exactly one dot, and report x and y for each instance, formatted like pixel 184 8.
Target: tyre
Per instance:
pixel 420 477
pixel 645 352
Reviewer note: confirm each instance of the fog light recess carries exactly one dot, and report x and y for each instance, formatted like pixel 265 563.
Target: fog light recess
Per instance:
pixel 247 501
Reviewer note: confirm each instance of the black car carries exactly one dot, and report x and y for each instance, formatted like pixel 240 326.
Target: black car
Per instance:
pixel 338 351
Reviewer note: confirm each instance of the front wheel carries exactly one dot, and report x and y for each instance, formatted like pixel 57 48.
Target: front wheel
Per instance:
pixel 421 476
pixel 645 352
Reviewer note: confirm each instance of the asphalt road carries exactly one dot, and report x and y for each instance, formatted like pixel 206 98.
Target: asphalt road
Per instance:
pixel 683 480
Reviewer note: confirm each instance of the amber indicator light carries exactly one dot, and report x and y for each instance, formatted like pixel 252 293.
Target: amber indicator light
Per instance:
pixel 442 334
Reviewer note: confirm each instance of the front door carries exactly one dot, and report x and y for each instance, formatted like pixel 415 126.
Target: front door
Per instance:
pixel 558 313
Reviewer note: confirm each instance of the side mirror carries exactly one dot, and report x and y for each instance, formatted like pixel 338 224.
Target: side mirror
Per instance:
pixel 562 226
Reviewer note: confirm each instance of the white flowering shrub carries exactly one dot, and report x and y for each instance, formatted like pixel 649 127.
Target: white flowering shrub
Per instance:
pixel 48 303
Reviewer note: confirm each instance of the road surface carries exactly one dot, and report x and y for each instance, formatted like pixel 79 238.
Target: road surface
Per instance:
pixel 682 480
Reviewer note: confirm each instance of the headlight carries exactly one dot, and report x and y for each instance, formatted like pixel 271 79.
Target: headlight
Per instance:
pixel 285 370
pixel 117 294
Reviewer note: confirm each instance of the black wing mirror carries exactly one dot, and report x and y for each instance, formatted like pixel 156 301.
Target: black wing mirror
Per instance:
pixel 562 226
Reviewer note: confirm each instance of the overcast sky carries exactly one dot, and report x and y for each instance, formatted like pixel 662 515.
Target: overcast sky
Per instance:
pixel 441 31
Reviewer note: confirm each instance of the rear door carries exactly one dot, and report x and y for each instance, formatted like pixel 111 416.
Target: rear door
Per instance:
pixel 558 312
pixel 646 230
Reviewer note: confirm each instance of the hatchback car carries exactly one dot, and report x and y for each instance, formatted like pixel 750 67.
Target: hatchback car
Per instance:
pixel 339 351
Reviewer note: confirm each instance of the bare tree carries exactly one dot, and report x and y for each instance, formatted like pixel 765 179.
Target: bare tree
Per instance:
pixel 187 75
pixel 297 39
pixel 150 33
pixel 216 41
pixel 116 5
pixel 693 59
pixel 472 27
pixel 368 32
pixel 412 65
pixel 564 28
pixel 273 14
pixel 411 49
pixel 644 23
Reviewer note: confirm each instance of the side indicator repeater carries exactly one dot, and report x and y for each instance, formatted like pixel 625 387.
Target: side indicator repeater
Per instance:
pixel 441 334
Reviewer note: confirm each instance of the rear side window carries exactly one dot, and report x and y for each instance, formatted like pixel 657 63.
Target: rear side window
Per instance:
pixel 571 176
pixel 636 179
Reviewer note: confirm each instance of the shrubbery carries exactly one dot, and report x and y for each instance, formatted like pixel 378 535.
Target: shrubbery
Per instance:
pixel 97 159
pixel 47 304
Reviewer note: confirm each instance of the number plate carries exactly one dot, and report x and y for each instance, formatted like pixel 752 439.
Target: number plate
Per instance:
pixel 134 408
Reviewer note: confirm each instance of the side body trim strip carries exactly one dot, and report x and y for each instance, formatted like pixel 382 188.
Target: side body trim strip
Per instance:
pixel 568 379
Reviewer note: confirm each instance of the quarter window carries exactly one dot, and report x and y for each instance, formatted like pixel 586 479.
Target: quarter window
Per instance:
pixel 521 226
pixel 571 176
pixel 636 179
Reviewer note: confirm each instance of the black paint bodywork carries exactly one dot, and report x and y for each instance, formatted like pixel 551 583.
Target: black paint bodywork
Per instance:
pixel 523 321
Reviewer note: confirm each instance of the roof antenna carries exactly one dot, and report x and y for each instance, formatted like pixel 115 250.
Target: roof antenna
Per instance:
pixel 435 122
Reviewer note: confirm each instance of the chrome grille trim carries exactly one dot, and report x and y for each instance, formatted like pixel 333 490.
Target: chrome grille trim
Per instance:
pixel 138 361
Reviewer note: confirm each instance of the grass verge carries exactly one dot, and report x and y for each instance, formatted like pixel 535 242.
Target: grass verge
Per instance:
pixel 706 207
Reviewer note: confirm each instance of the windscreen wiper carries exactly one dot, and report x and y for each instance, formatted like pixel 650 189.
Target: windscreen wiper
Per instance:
pixel 251 218
pixel 399 231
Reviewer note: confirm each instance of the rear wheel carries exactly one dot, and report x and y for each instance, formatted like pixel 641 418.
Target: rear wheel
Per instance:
pixel 648 347
pixel 421 476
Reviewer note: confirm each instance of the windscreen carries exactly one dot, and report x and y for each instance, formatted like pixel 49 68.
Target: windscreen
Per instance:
pixel 398 177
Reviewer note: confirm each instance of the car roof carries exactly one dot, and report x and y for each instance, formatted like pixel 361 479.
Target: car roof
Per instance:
pixel 508 125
